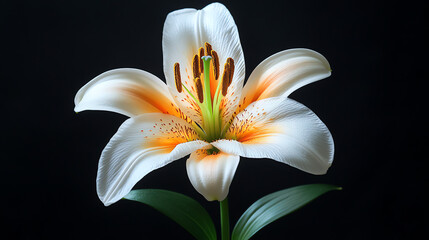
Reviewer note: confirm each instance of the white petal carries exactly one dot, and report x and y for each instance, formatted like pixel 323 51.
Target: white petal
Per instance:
pixel 284 130
pixel 283 73
pixel 185 31
pixel 141 145
pixel 127 91
pixel 211 175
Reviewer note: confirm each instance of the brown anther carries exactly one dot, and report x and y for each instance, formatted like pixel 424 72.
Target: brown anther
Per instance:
pixel 230 62
pixel 225 79
pixel 215 64
pixel 208 49
pixel 195 66
pixel 200 54
pixel 199 87
pixel 177 78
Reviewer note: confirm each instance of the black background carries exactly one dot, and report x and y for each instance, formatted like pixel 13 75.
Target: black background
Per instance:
pixel 374 104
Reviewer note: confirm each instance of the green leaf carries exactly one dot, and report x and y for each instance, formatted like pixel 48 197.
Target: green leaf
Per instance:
pixel 274 206
pixel 184 210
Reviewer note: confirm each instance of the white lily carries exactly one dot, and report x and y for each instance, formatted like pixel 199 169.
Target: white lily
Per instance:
pixel 205 111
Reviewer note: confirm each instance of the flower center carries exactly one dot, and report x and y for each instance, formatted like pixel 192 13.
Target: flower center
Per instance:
pixel 208 90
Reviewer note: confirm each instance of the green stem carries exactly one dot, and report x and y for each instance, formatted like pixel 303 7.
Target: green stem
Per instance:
pixel 224 219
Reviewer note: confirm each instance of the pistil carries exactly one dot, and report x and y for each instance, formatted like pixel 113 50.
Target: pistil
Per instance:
pixel 207 94
pixel 208 99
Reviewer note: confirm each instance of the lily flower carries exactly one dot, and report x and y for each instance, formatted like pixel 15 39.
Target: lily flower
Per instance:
pixel 205 111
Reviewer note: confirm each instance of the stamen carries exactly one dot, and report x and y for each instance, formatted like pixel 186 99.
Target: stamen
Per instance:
pixel 230 61
pixel 177 78
pixel 195 66
pixel 208 48
pixel 215 64
pixel 225 79
pixel 199 87
pixel 201 54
